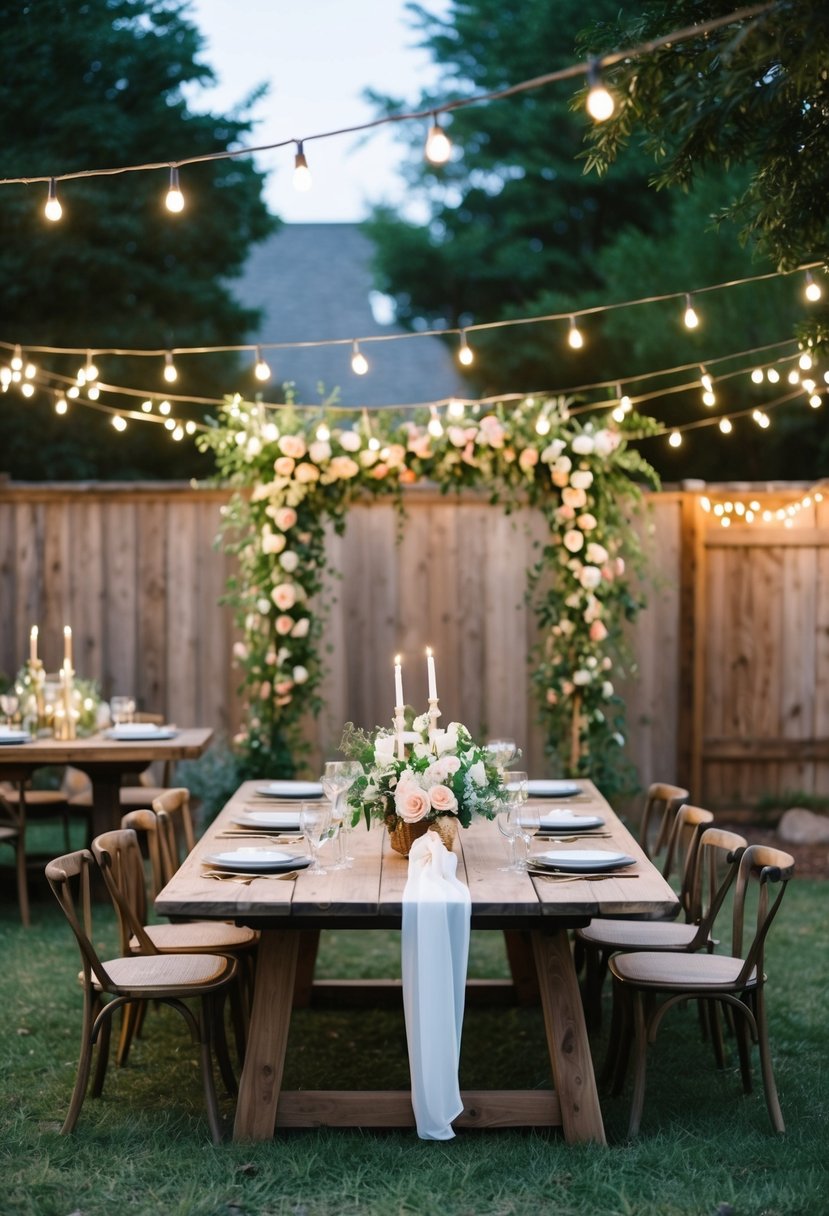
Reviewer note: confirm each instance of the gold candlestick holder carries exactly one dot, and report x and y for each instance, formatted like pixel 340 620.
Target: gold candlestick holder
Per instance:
pixel 66 714
pixel 399 723
pixel 434 714
pixel 37 677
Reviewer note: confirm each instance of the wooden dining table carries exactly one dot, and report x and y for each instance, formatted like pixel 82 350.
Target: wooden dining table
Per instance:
pixel 104 760
pixel 369 896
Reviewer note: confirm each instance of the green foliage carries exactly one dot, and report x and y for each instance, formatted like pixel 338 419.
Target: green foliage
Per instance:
pixel 293 472
pixel 106 87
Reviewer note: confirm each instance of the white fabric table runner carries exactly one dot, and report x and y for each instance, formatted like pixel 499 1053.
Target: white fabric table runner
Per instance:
pixel 435 949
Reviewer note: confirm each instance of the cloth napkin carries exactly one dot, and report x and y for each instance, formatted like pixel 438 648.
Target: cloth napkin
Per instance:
pixel 435 949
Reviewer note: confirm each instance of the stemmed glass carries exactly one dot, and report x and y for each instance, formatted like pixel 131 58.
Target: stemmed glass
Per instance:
pixel 337 779
pixel 9 704
pixel 122 710
pixel 510 829
pixel 515 790
pixel 315 821
pixel 502 752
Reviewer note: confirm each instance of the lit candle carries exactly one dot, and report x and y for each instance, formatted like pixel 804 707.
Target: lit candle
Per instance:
pixel 67 645
pixel 398 682
pixel 33 644
pixel 430 668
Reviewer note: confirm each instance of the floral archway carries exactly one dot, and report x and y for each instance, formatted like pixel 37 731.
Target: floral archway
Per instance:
pixel 295 470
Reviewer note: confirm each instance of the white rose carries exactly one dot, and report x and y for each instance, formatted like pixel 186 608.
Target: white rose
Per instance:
pixel 421 723
pixel 478 773
pixel 582 479
pixel 300 675
pixel 596 554
pixel 607 689
pixel 590 577
pixel 553 451
pixel 583 445
pixel 320 451
pixel 606 442
pixel 581 677
pixel 272 542
pixel 300 629
pixel 350 441
pixel 289 561
pixel 384 747
pixel 563 464
pixel 573 540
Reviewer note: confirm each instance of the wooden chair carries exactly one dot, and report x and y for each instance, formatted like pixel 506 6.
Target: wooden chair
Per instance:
pixel 604 936
pixel 116 983
pixel 175 829
pixel 119 856
pixel 735 981
pixel 13 833
pixel 662 802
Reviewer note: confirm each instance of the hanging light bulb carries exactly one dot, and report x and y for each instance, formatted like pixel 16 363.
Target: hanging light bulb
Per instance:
pixel 17 360
pixel 725 426
pixel 812 291
pixel 93 392
pixel 30 371
pixel 170 373
pixel 575 337
pixel 757 375
pixel 90 371
pixel 5 378
pixel 323 434
pixel 53 210
pixel 435 427
pixel 455 409
pixel 164 408
pixel 805 362
pixel 190 427
pixel 359 363
pixel 709 398
pixel 705 380
pixel 793 376
pixel 600 104
pixel 147 407
pixel 119 423
pixel 773 375
pixel 261 369
pixel 27 388
pixel 675 439
pixel 815 401
pixel 73 391
pixel 466 354
pixel 691 319
pixel 170 424
pixel 175 199
pixel 438 147
pixel 61 404
pixel 302 179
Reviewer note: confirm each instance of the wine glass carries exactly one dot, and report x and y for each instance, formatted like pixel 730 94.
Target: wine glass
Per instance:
pixel 337 779
pixel 9 704
pixel 510 829
pixel 515 794
pixel 502 752
pixel 122 710
pixel 315 821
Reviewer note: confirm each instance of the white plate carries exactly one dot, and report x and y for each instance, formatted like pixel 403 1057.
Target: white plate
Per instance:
pixel 291 789
pixel 272 820
pixel 139 734
pixel 576 860
pixel 565 821
pixel 257 861
pixel 14 736
pixel 552 789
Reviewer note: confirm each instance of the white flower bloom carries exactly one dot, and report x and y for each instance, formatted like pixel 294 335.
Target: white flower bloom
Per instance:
pixel 590 577
pixel 583 445
pixel 421 723
pixel 350 441
pixel 300 629
pixel 477 772
pixel 289 561
pixel 573 540
pixel 582 479
pixel 300 675
pixel 607 689
pixel 582 677
pixel 319 451
pixel 553 451
pixel 596 554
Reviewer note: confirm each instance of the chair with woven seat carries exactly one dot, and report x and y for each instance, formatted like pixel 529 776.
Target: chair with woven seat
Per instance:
pixel 119 856
pixel 13 833
pixel 662 803
pixel 116 983
pixel 735 981
pixel 604 935
pixel 176 834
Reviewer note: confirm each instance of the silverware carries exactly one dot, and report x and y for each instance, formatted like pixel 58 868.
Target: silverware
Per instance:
pixel 566 876
pixel 547 838
pixel 244 835
pixel 246 879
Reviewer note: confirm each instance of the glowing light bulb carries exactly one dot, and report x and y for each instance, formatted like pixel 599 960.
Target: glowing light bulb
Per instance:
pixel 815 401
pixel 809 385
pixel 27 389
pixel 709 398
pixel 455 409
pixel 170 424
pixel 718 509
pixel 93 392
pixel 261 369
pixel 302 179
pixel 190 427
pixel 725 426
pixel 812 291
pixel 170 373
pixel 435 427
pixel 53 210
pixel 725 521
pixel 575 337
pixel 5 377
pixel 705 380
pixel 359 363
pixel 438 147
pixel 323 433
pixel 119 423
pixel 691 319
pixel 542 425
pixel 675 439
pixel 772 375
pixel 17 360
pixel 30 371
pixel 600 104
pixel 618 415
pixel 793 376
pixel 147 407
pixel 757 376
pixel 466 355
pixel 805 362
pixel 175 199
pixel 705 503
pixel 90 371
pixel 73 391
pixel 164 407
pixel 374 444
pixel 61 405
pixel 625 403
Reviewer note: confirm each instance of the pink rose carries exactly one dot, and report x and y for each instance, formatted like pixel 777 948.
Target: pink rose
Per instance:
pixel 284 625
pixel 442 799
pixel 306 472
pixel 284 596
pixel 528 459
pixel 586 522
pixel 565 514
pixel 411 802
pixel 559 478
pixel 573 540
pixel 598 631
pixel 343 468
pixel 284 465
pixel 292 445
pixel 380 471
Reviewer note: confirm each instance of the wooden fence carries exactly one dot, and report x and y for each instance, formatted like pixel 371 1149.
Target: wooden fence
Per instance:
pixel 731 693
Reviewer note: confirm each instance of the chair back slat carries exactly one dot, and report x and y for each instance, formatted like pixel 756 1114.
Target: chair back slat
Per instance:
pixel 119 857
pixel 64 874
pixel 175 829
pixel 764 865
pixel 145 825
pixel 688 826
pixel 662 804
pixel 718 855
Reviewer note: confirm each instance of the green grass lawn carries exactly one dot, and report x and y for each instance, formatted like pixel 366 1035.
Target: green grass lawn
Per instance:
pixel 144 1146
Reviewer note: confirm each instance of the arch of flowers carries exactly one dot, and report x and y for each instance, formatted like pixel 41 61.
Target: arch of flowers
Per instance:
pixel 293 471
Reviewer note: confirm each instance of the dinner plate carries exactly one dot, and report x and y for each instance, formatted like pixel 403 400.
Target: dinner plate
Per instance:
pixel 577 860
pixel 257 861
pixel 291 789
pixel 272 820
pixel 565 821
pixel 7 735
pixel 552 789
pixel 139 734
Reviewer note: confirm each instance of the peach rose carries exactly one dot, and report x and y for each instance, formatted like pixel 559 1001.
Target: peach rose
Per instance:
pixel 572 496
pixel 442 799
pixel 598 631
pixel 284 596
pixel 284 624
pixel 411 802
pixel 350 441
pixel 284 465
pixel 292 445
pixel 528 459
pixel 285 518
pixel 306 472
pixel 573 540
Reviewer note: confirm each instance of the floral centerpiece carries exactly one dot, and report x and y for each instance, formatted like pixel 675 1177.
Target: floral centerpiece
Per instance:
pixel 442 779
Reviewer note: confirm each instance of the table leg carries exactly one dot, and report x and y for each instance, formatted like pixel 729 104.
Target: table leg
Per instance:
pixel 106 801
pixel 567 1040
pixel 270 1020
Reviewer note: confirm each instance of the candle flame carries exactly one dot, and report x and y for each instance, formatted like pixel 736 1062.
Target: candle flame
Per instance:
pixel 34 631
pixel 397 658
pixel 428 652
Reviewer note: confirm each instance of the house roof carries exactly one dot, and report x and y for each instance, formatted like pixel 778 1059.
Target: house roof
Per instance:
pixel 313 281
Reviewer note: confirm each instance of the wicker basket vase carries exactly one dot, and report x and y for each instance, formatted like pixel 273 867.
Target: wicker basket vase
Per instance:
pixel 404 835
